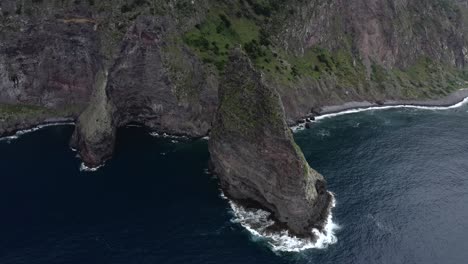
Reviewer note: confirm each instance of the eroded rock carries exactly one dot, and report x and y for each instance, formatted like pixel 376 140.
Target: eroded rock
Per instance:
pixel 94 135
pixel 254 154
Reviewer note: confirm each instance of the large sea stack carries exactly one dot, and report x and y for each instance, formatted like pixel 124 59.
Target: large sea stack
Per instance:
pixel 254 154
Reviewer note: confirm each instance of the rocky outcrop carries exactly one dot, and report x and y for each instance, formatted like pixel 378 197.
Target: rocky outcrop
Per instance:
pixel 95 131
pixel 254 154
pixel 158 82
pixel 155 82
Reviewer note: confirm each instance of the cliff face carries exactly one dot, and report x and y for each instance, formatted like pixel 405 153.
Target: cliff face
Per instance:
pixel 153 81
pixel 47 62
pixel 390 33
pixel 47 65
pixel 254 154
pixel 156 81
pixel 374 50
pixel 164 58
pixel 106 64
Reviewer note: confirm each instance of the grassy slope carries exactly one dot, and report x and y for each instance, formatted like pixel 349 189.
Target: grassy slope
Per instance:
pixel 17 114
pixel 245 24
pixel 250 23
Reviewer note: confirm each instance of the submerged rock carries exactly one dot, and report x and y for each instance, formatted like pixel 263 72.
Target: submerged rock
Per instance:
pixel 254 154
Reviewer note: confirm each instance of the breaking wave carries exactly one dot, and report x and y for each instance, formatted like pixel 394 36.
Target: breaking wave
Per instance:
pixel 85 168
pixel 165 135
pixel 20 133
pixel 257 221
pixel 363 109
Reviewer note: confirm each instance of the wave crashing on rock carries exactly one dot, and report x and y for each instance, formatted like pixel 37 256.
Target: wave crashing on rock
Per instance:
pixel 84 168
pixel 257 222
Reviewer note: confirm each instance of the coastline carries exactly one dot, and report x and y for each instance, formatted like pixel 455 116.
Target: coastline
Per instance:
pixel 453 100
pixel 256 222
pixel 28 128
pixel 448 101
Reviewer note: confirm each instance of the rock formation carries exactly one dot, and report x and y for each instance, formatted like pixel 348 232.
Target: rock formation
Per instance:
pixel 94 135
pixel 255 156
pixel 106 64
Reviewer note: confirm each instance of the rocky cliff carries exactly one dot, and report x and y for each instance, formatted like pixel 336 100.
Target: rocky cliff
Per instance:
pixel 165 58
pixel 160 63
pixel 255 156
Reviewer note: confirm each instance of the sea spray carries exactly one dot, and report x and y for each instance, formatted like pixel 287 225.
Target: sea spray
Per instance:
pixel 257 222
pixel 85 168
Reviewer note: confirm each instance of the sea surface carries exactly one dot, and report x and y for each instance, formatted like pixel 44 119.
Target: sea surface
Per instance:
pixel 399 176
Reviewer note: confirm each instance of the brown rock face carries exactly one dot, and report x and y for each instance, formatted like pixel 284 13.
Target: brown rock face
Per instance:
pixel 154 82
pixel 390 33
pixel 44 61
pixel 95 130
pixel 159 83
pixel 254 154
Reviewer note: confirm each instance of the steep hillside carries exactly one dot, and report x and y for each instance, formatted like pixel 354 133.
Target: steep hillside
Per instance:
pixel 165 57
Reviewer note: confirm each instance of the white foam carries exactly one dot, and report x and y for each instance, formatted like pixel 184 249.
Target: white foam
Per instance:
pixel 164 135
pixel 154 134
pixel 358 110
pixel 83 167
pixel 257 221
pixel 20 133
pixel 9 138
pixel 323 133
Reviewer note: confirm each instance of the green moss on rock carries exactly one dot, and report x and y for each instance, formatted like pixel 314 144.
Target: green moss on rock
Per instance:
pixel 247 106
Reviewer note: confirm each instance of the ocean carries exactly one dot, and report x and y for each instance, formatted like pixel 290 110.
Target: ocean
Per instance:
pixel 399 177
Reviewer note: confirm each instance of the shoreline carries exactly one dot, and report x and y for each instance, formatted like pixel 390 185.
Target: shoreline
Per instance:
pixel 453 100
pixel 448 101
pixel 15 134
pixel 257 222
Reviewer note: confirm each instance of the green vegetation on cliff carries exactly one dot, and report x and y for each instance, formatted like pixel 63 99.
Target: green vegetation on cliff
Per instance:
pixel 247 106
pixel 219 33
pixel 7 111
pixel 212 28
pixel 18 111
pixel 253 25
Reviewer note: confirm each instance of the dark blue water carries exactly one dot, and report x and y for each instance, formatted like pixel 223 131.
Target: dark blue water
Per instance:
pixel 400 178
